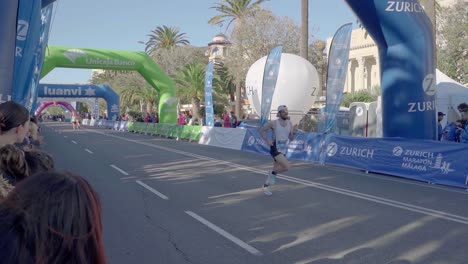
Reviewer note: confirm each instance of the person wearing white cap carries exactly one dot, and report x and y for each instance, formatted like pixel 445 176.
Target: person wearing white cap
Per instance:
pixel 283 132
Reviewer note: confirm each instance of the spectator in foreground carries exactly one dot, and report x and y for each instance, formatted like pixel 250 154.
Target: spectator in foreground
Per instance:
pixel 14 123
pixel 51 218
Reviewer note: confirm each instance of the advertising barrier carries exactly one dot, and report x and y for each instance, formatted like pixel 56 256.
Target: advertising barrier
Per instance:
pixel 423 160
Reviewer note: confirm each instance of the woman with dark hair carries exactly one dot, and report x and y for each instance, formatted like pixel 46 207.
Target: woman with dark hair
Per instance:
pixel 14 123
pixel 51 218
pixel 13 166
pixel 38 161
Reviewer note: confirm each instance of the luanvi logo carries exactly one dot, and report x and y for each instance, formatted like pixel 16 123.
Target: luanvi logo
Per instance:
pixel 74 54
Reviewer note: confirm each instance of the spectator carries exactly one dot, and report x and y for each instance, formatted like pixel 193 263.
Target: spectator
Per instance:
pixel 14 123
pixel 218 121
pixel 450 131
pixel 233 120
pixel 148 118
pixel 51 218
pixel 16 165
pixel 463 129
pixel 227 120
pixel 440 117
pixel 181 119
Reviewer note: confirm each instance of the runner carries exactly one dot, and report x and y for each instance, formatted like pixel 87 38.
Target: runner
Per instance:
pixel 282 133
pixel 73 121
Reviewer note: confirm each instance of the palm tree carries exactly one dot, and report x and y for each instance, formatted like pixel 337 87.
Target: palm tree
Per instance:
pixel 191 85
pixel 164 38
pixel 132 95
pixel 233 10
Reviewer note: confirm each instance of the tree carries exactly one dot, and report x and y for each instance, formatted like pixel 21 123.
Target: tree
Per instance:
pixel 359 96
pixel 164 37
pixel 191 85
pixel 234 10
pixel 260 32
pixel 132 95
pixel 452 44
pixel 174 59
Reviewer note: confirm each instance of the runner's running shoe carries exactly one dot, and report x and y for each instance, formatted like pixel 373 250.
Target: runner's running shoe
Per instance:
pixel 266 190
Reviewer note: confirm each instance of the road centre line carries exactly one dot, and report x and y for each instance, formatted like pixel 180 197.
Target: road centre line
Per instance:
pixel 89 151
pixel 119 169
pixel 363 196
pixel 162 196
pixel 225 234
pixel 74 142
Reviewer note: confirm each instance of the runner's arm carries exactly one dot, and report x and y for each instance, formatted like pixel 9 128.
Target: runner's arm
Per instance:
pixel 263 130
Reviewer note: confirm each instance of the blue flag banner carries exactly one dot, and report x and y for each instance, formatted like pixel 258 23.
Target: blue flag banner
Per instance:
pixel 27 40
pixel 209 111
pixel 403 33
pixel 46 17
pixel 336 75
pixel 8 13
pixel 270 76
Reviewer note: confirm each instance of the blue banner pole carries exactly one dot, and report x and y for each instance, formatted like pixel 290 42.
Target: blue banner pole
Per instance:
pixel 27 40
pixel 403 33
pixel 209 112
pixel 46 17
pixel 270 76
pixel 336 75
pixel 8 13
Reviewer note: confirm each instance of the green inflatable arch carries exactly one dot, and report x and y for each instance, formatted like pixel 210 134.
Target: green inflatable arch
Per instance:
pixel 69 57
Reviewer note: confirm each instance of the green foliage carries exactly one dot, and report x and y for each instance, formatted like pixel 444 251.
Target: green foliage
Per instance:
pixel 232 10
pixel 359 96
pixel 257 35
pixel 164 37
pixel 452 41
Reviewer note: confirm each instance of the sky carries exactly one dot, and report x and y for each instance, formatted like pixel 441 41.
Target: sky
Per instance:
pixel 120 24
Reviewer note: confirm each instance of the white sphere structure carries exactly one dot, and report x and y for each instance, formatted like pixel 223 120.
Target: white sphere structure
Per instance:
pixel 297 85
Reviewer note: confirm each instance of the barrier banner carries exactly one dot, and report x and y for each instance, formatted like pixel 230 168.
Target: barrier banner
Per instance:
pixel 209 112
pixel 336 75
pixel 270 76
pixel 253 142
pixel 404 35
pixel 429 161
pixel 423 160
pixel 27 40
pixel 8 17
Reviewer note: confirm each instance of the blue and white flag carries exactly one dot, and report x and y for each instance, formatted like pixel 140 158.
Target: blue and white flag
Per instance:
pixel 27 39
pixel 46 17
pixel 270 76
pixel 209 112
pixel 336 75
pixel 8 13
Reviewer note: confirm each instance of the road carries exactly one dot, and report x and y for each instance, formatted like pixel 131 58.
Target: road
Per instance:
pixel 167 201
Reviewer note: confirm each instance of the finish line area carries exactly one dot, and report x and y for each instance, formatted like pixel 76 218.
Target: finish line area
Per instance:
pixel 178 200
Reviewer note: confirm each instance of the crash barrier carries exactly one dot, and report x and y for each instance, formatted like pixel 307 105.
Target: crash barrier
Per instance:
pixel 423 160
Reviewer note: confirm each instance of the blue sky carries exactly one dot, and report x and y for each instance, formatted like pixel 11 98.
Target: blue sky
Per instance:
pixel 120 24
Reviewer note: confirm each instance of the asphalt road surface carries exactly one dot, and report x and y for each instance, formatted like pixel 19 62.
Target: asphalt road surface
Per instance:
pixel 167 201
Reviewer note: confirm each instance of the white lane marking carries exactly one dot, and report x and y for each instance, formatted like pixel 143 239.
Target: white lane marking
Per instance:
pixel 74 142
pixel 162 196
pixel 225 234
pixel 89 151
pixel 363 196
pixel 119 169
pixel 65 136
